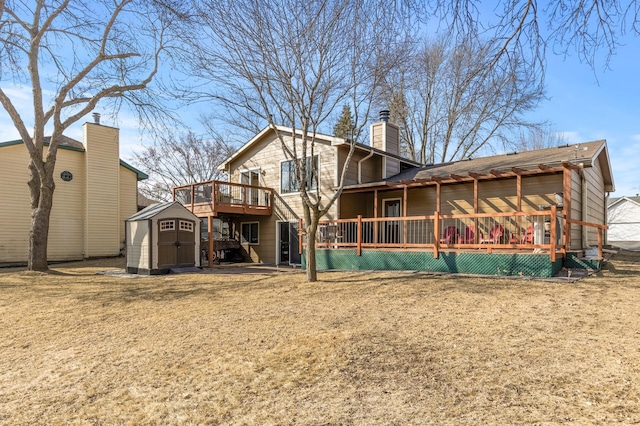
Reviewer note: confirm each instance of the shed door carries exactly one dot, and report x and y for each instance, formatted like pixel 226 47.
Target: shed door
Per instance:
pixel 176 243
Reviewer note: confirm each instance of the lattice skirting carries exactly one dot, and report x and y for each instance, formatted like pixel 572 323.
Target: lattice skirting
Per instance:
pixel 516 264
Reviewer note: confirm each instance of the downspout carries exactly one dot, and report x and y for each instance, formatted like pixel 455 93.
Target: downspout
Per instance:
pixel 360 165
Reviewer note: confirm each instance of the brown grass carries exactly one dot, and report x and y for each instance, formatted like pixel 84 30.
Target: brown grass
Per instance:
pixel 355 348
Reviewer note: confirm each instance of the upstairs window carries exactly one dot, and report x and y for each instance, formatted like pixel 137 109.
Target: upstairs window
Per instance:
pixel 288 181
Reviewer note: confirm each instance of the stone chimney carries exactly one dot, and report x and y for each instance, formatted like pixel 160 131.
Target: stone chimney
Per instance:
pixel 385 136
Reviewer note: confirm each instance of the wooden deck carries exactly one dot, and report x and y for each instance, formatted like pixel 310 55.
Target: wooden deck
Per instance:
pixel 514 232
pixel 210 199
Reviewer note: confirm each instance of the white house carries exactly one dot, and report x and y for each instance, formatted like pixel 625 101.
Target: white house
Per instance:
pixel 624 222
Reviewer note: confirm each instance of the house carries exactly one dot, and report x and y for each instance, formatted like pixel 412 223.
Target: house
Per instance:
pixel 544 206
pixel 161 237
pixel 624 222
pixel 95 192
pixel 260 207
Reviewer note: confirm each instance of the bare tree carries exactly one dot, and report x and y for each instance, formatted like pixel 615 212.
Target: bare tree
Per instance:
pixel 540 137
pixel 591 29
pixel 295 63
pixel 178 160
pixel 453 98
pixel 72 54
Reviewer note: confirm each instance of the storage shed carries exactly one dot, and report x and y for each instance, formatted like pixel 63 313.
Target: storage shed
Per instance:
pixel 624 222
pixel 162 237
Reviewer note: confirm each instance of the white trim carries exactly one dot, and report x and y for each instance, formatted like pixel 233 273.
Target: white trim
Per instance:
pixel 278 237
pixel 257 170
pixel 242 241
pixel 623 198
pixel 284 194
pixel 384 210
pixel 326 138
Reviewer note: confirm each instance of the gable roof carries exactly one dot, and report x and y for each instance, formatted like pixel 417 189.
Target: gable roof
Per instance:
pixel 613 201
pixel 65 143
pixel 74 145
pixel 587 154
pixel 155 209
pixel 334 140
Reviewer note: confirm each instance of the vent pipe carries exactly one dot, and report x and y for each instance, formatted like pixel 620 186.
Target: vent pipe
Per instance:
pixel 384 115
pixel 96 117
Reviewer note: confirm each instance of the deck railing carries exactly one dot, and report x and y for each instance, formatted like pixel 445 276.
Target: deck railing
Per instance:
pixel 533 230
pixel 227 197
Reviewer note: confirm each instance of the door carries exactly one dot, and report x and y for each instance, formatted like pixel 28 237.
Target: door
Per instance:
pixel 288 243
pixel 176 243
pixel 251 177
pixel 283 242
pixel 391 228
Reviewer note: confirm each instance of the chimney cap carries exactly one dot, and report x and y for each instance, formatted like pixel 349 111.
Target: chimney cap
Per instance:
pixel 384 115
pixel 96 117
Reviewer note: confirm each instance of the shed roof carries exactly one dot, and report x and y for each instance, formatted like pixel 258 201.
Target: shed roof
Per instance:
pixel 155 209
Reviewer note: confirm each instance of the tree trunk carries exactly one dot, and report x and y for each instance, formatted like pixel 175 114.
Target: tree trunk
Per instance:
pixel 41 203
pixel 312 229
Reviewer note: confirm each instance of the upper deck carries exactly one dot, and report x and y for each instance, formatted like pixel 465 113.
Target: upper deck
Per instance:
pixel 211 198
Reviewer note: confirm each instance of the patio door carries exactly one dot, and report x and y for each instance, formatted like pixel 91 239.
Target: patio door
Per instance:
pixel 288 243
pixel 391 229
pixel 251 177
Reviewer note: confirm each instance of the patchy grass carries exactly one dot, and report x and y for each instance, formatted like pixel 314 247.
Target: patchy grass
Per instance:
pixel 355 348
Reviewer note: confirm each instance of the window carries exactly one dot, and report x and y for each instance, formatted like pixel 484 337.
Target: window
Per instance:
pixel 185 225
pixel 167 225
pixel 288 181
pixel 250 233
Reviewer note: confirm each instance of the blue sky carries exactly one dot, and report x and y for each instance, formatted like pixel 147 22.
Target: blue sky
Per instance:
pixel 584 104
pixel 587 104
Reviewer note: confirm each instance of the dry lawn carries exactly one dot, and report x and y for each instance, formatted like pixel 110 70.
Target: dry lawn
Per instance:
pixel 355 348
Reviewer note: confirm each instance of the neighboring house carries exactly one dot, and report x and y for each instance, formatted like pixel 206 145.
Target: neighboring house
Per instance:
pixel 549 201
pixel 95 192
pixel 624 222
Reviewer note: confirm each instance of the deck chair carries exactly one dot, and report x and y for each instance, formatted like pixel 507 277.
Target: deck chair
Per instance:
pixel 450 235
pixel 527 238
pixel 469 235
pixel 496 235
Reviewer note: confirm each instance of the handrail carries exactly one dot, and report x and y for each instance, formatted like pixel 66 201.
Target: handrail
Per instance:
pixel 539 231
pixel 600 228
pixel 231 194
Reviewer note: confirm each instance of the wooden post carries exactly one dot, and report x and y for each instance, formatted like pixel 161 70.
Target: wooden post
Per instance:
pixel 359 232
pixel 600 242
pixel 519 206
pixel 476 231
pixel 244 198
pixel 552 235
pixel 193 196
pixel 375 216
pixel 211 242
pixel 566 207
pixel 213 196
pixel 404 222
pixel 436 234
